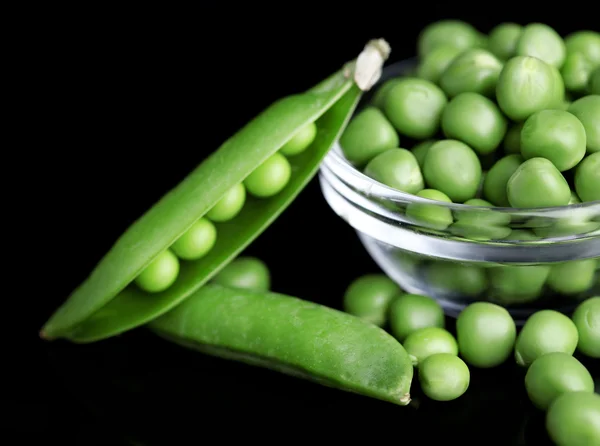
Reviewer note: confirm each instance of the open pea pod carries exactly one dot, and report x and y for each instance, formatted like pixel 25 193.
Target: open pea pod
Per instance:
pixel 107 303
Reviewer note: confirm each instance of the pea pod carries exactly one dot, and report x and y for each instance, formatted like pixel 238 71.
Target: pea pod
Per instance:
pixel 107 303
pixel 291 336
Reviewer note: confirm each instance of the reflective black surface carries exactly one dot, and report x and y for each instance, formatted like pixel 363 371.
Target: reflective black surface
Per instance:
pixel 147 95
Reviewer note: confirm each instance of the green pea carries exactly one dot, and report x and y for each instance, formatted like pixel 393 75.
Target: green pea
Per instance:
pixel 453 168
pixel 512 139
pixel 465 280
pixel 270 177
pixel 300 141
pixel 197 241
pixel 456 33
pixel 486 334
pixel 576 72
pixel 160 273
pixel 475 120
pixel 522 234
pixel 585 42
pixel 380 95
pixel 410 312
pixel 555 135
pixel 542 42
pixel 431 215
pixel 247 273
pixel 429 341
pixel 503 40
pixel 229 205
pixel 537 183
pixel 573 419
pixel 475 70
pixel 553 374
pixel 479 224
pixel 573 277
pixel 544 332
pixel 594 82
pixel 494 185
pixel 587 320
pixel 414 107
pixel 397 168
pixel 587 178
pixel 587 110
pixel 444 377
pixel 420 150
pixel 368 134
pixel 526 85
pixel 369 297
pixel 518 284
pixel 433 65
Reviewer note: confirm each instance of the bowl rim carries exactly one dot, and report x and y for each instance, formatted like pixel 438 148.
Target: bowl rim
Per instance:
pixel 341 168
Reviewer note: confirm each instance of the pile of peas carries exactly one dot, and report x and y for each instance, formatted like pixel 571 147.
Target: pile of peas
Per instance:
pixel 266 181
pixel 511 119
pixel 486 336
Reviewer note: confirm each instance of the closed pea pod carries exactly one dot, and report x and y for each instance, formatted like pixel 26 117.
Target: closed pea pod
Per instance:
pixel 105 304
pixel 292 336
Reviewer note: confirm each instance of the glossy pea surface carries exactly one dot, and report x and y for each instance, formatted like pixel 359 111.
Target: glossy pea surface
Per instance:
pixel 553 374
pixel 420 150
pixel 526 85
pixel 542 42
pixel 496 180
pixel 453 168
pixel 414 107
pixel 585 42
pixel 434 216
pixel 573 419
pixel 576 72
pixel 300 141
pixel 575 276
pixel 429 341
pixel 444 377
pixel 537 183
pixel 587 320
pixel 475 70
pixel 197 241
pixel 456 33
pixel 411 312
pixel 367 135
pixel 556 135
pixel 486 334
pixel 160 273
pixel 229 205
pixel 587 178
pixel 475 120
pixel 369 297
pixel 397 168
pixel 587 110
pixel 270 177
pixel 249 273
pixel 378 98
pixel 545 331
pixel 433 65
pixel 503 39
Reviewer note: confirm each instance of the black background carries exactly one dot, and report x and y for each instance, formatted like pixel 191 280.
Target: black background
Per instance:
pixel 127 102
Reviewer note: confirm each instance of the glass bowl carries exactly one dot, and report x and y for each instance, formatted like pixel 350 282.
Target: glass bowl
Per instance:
pixel 522 259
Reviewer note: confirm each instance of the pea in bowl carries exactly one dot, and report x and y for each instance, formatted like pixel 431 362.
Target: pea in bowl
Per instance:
pixel 438 229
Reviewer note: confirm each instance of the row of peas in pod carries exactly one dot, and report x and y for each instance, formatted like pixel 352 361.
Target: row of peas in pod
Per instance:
pixel 511 119
pixel 266 181
pixel 486 337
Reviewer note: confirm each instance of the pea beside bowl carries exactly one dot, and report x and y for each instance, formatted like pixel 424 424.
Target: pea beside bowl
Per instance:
pixel 522 259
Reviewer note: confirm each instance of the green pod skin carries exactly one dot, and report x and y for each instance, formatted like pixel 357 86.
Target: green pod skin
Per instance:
pixel 294 337
pixel 573 419
pixel 105 304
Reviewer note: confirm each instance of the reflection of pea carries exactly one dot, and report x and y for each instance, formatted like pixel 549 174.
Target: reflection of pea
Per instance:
pixel 431 215
pixel 481 225
pixel 522 234
pixel 518 284
pixel 454 277
pixel 572 277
